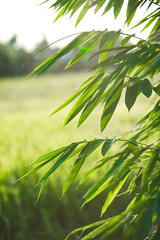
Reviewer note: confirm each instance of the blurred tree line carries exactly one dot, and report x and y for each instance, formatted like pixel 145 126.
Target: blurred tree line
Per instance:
pixel 16 60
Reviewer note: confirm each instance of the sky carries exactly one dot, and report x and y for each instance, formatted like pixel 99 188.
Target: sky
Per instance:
pixel 32 22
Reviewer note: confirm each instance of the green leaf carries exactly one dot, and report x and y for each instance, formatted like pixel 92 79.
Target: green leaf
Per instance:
pixel 107 42
pixel 117 7
pixel 99 5
pixel 41 189
pixel 150 166
pixel 94 101
pixel 83 12
pixel 146 87
pixel 51 155
pixel 107 145
pixel 88 149
pixel 126 40
pixel 156 26
pixel 111 105
pixel 60 160
pixel 109 6
pixel 131 93
pixel 87 47
pixel 86 96
pixel 69 100
pixel 157 89
pixel 131 9
pixel 113 191
pixel 104 182
pixel 92 225
pixel 140 226
pixel 73 174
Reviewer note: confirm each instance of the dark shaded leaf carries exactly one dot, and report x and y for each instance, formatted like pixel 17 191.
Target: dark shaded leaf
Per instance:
pixel 107 145
pixel 146 87
pixel 131 93
pixel 157 89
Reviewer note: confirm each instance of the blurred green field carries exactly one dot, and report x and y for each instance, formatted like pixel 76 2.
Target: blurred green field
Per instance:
pixel 27 132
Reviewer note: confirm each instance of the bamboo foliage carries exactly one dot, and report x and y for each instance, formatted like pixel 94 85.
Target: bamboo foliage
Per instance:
pixel 133 69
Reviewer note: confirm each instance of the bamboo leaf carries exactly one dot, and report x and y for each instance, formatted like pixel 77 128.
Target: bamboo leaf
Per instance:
pixel 111 105
pixel 146 87
pixel 112 193
pixel 150 166
pixel 109 6
pixel 117 7
pixel 88 149
pixel 107 42
pixel 87 47
pixel 94 101
pixel 157 89
pixel 99 5
pixel 88 93
pixel 104 182
pixel 69 100
pixel 51 155
pixel 131 93
pixel 83 12
pixel 107 145
pixel 125 40
pixel 60 160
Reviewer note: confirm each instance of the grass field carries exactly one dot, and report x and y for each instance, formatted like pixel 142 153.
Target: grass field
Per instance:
pixel 27 131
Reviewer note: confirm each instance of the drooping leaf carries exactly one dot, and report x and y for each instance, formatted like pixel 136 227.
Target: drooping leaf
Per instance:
pixel 146 87
pixel 83 12
pixel 150 166
pixel 157 89
pixel 131 93
pixel 109 6
pixel 97 98
pixel 87 95
pixel 112 193
pixel 99 5
pixel 107 42
pixel 104 182
pixel 60 160
pixel 111 105
pixel 125 40
pixel 117 7
pixel 87 47
pixel 107 145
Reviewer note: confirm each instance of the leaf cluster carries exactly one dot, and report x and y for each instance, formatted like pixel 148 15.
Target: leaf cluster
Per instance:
pixel 131 69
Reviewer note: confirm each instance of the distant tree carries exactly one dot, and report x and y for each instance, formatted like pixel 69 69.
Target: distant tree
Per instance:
pixel 138 159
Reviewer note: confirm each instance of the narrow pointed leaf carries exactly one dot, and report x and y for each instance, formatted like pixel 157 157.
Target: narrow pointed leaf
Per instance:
pixel 111 105
pixel 157 89
pixel 104 182
pixel 93 102
pixel 60 160
pixel 125 40
pixel 86 96
pixel 87 47
pixel 107 145
pixel 131 93
pixel 83 12
pixel 112 194
pixel 73 173
pixel 117 7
